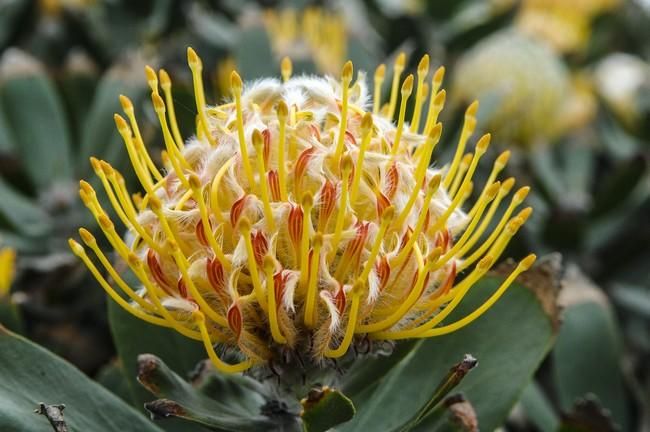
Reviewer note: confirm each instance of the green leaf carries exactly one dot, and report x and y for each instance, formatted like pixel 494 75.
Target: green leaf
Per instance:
pixel 100 137
pixel 510 341
pixel 21 214
pixel 10 316
pixel 213 28
pixel 78 90
pixel 6 139
pixel 538 409
pixel 621 181
pixel 364 375
pixel 448 383
pixel 180 400
pixel 31 375
pixel 325 409
pixel 113 378
pixel 9 10
pixel 133 337
pixel 254 58
pixel 587 357
pixel 36 117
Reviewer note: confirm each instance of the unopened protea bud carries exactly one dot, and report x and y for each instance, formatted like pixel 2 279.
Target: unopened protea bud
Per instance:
pixel 521 82
pixel 299 220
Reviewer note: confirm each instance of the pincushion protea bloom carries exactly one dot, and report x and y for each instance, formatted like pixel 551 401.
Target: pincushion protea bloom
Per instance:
pixel 7 270
pixel 565 26
pixel 300 219
pixel 316 34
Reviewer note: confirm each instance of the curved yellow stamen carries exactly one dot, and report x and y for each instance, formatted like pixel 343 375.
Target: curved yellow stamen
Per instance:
pixel 312 285
pixel 346 78
pixel 436 101
pixel 197 191
pixel 398 68
pixel 506 186
pixel 214 190
pixel 517 199
pixel 237 86
pixel 352 323
pixel 307 205
pixel 166 85
pixel 380 73
pixel 258 144
pixel 423 71
pixel 461 290
pixel 523 265
pixel 432 188
pixel 484 201
pixel 286 68
pixel 497 167
pixel 219 364
pixel 175 157
pixel 196 66
pixel 245 229
pixel 416 291
pixel 125 131
pixel 366 131
pixel 282 112
pixel 468 129
pixel 276 333
pixel 91 242
pixel 81 253
pixel 96 164
pixel 386 218
pixel 346 168
pixel 407 89
pixel 481 148
pixel 460 174
pixel 127 106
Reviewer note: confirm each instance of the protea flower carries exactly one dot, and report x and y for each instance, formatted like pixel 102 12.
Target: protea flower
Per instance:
pixel 566 26
pixel 7 270
pixel 524 84
pixel 315 34
pixel 301 220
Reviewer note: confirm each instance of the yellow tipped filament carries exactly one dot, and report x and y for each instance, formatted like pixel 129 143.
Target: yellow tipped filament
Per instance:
pixel 307 205
pixel 166 85
pixel 523 265
pixel 236 86
pixel 380 73
pixel 423 70
pixel 219 364
pixel 286 68
pixel 346 168
pixel 276 333
pixel 351 326
pixel 398 68
pixel 436 100
pixel 196 66
pixel 366 127
pixel 312 287
pixel 245 229
pixel 283 112
pixel 258 142
pixel 346 78
pixel 407 89
pixel 468 129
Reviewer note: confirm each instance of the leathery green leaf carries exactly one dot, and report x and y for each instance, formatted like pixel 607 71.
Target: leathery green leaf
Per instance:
pixel 31 375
